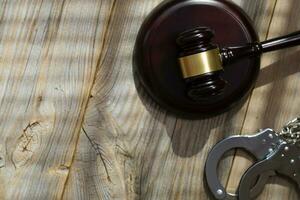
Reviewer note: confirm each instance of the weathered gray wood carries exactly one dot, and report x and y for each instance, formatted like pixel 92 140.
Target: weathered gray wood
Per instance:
pixel 48 58
pixel 131 149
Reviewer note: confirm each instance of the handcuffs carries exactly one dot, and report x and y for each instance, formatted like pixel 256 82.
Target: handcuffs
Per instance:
pixel 275 153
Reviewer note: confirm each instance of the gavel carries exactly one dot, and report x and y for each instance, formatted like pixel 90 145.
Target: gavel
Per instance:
pixel 203 62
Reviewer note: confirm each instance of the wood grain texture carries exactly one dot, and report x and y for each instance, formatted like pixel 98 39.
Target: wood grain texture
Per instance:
pixel 129 147
pixel 49 51
pixel 275 99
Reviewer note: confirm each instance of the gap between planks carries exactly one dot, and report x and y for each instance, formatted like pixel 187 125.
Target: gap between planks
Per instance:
pixel 106 28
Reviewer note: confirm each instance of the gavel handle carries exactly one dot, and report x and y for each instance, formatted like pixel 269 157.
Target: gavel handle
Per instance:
pixel 289 40
pixel 231 54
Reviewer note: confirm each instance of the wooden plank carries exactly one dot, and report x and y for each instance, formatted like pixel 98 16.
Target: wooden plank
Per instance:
pixel 274 100
pixel 130 148
pixel 49 51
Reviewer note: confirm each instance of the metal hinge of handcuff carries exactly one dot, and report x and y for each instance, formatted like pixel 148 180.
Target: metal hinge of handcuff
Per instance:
pixel 276 153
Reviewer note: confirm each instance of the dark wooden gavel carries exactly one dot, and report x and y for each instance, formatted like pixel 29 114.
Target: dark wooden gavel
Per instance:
pixel 203 62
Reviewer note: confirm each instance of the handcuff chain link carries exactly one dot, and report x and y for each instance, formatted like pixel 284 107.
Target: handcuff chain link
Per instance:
pixel 291 132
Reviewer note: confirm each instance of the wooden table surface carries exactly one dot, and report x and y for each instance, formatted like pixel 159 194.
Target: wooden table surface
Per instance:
pixel 73 125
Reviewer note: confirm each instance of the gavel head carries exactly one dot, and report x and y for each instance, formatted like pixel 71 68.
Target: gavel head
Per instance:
pixel 200 63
